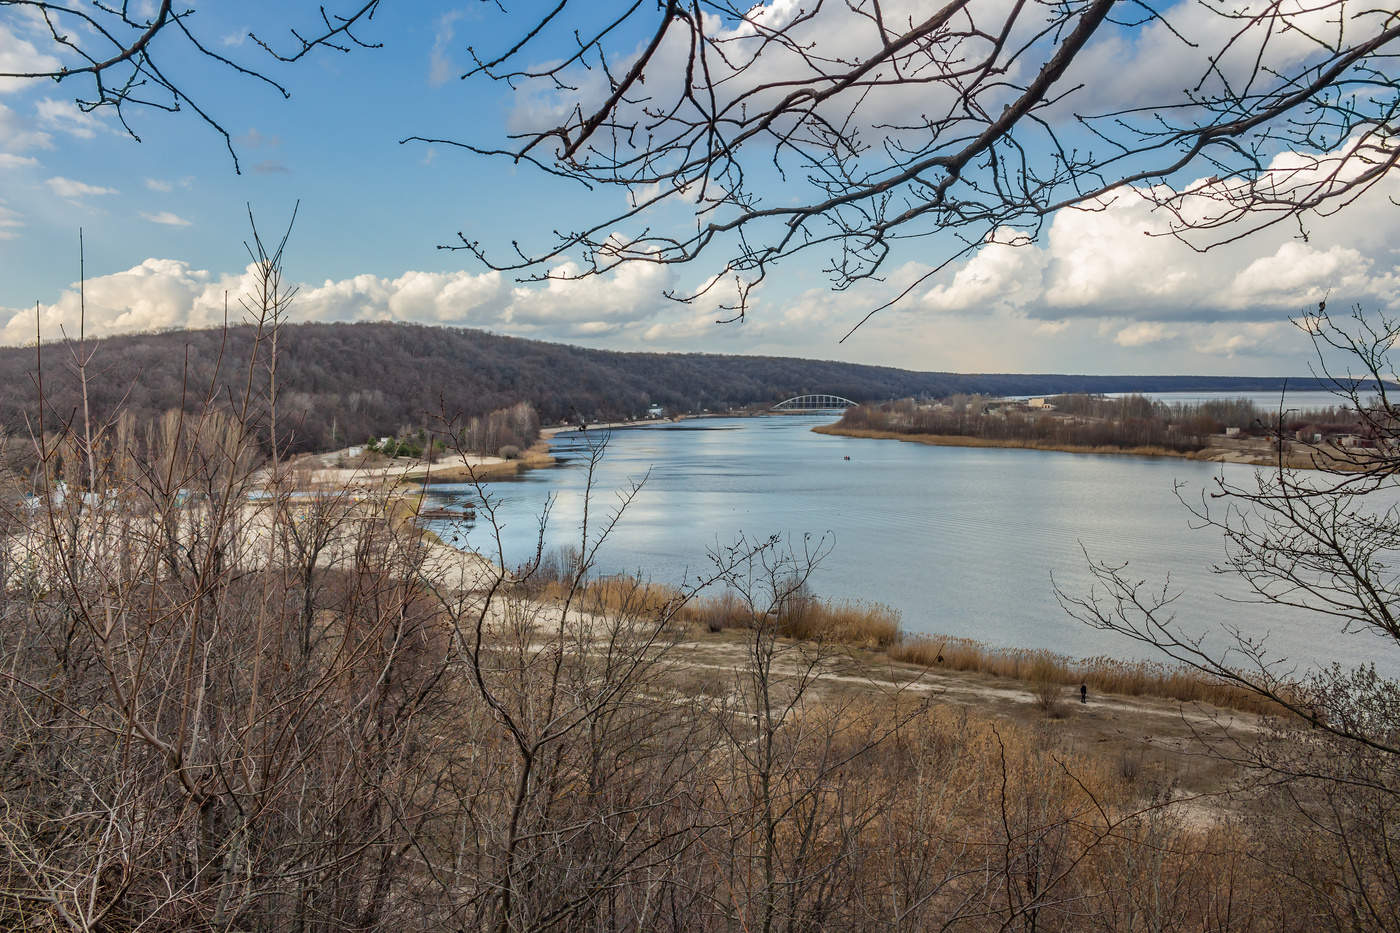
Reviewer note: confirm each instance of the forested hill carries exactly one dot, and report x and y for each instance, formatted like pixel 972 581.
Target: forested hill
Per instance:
pixel 345 382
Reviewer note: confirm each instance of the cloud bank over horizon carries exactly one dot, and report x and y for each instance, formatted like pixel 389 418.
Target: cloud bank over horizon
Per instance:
pixel 1107 289
pixel 1109 284
pixel 165 294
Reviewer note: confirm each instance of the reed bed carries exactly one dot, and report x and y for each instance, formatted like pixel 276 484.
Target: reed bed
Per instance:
pixel 854 623
pixel 1100 674
pixel 848 622
pixel 876 627
pixel 615 594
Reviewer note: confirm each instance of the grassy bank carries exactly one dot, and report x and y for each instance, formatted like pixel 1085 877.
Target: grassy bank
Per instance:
pixel 875 627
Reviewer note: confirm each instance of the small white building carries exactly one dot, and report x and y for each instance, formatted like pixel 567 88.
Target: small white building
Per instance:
pixel 656 411
pixel 1232 432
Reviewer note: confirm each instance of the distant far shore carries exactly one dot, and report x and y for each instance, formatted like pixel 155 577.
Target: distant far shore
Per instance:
pixel 1248 452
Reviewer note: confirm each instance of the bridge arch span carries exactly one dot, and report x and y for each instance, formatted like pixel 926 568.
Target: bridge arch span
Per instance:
pixel 814 403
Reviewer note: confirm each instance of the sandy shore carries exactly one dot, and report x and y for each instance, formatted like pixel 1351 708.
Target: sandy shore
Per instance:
pixel 319 470
pixel 316 471
pixel 402 471
pixel 465 469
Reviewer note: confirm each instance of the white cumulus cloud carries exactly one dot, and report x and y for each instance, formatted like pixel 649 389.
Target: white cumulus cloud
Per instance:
pixel 1141 334
pixel 19 56
pixel 65 116
pixel 440 66
pixel 1004 273
pixel 1121 261
pixel 18 133
pixel 68 188
pixel 165 293
pixel 166 218
pixel 157 294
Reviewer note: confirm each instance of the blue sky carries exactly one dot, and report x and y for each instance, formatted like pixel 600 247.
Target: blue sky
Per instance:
pixel 333 145
pixel 164 221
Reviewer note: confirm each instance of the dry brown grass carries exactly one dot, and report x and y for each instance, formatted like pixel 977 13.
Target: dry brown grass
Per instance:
pixel 719 612
pixel 616 594
pixel 854 623
pixel 876 627
pixel 1101 675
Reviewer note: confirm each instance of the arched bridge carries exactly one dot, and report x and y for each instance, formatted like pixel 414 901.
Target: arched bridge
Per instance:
pixel 814 403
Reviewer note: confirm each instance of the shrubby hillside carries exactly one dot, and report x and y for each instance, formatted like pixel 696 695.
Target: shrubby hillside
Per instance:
pixel 341 383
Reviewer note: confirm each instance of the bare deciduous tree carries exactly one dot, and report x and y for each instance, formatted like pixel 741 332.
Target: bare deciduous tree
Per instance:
pixel 130 56
pixel 233 699
pixel 1323 541
pixel 844 129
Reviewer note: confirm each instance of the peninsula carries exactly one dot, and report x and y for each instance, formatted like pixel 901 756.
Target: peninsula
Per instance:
pixel 1223 430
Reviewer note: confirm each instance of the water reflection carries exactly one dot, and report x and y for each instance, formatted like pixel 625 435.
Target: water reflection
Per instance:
pixel 959 540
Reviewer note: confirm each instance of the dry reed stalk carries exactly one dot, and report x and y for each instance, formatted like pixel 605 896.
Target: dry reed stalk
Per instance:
pixel 1101 675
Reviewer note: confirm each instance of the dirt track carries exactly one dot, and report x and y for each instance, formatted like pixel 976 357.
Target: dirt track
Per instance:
pixel 1162 741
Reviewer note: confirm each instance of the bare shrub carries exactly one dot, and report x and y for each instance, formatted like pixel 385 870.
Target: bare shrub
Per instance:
pixel 1046 687
pixel 1322 541
pixel 230 703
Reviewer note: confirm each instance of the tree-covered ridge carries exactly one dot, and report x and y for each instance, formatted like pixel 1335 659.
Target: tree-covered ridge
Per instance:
pixel 342 383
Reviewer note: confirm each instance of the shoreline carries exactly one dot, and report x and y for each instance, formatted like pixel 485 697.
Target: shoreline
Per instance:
pixel 535 457
pixel 646 422
pixel 457 469
pixel 486 469
pixel 1160 716
pixel 1211 454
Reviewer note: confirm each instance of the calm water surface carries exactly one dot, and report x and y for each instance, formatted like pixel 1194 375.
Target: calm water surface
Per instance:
pixel 960 540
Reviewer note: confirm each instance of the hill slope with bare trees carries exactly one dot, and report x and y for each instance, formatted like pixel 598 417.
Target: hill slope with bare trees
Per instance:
pixel 341 383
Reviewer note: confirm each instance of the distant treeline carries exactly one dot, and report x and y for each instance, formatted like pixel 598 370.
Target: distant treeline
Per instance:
pixel 1081 420
pixel 342 383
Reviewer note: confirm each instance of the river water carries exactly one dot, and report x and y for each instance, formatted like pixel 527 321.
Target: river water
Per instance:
pixel 960 540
